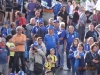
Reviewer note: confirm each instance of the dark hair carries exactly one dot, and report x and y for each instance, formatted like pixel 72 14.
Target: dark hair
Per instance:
pixel 19 13
pixel 36 36
pixel 70 2
pixel 39 1
pixel 24 26
pixel 87 12
pixel 8 37
pixel 61 10
pixel 81 45
pixel 76 8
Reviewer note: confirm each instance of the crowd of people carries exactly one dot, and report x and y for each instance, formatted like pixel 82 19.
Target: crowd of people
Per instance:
pixel 29 46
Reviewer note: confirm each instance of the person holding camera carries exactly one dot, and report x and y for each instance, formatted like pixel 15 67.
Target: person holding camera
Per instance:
pixel 92 60
pixel 36 60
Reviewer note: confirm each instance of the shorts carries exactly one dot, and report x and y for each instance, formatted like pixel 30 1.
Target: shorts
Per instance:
pixel 11 62
pixel 8 9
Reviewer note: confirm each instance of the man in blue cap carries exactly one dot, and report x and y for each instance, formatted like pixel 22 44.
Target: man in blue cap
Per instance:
pixel 51 40
pixel 56 26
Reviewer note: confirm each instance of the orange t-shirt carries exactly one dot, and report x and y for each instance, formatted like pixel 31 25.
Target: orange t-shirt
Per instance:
pixel 17 38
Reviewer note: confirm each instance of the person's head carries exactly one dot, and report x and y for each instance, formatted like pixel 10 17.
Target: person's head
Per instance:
pixel 75 42
pixel 82 9
pixel 35 37
pixel 34 47
pixel 71 29
pixel 50 30
pixel 94 11
pixel 63 9
pixel 19 30
pixel 39 39
pixel 74 2
pixel 52 51
pixel 18 14
pixel 40 23
pixel 13 25
pixel 39 2
pixel 87 13
pixel 49 59
pixel 69 3
pixel 32 21
pixel 56 23
pixel 37 13
pixel 80 47
pixel 9 38
pixel 3 41
pixel 23 28
pixel 62 26
pixel 90 40
pixel 91 27
pixel 32 0
pixel 50 21
pixel 76 8
pixel 94 47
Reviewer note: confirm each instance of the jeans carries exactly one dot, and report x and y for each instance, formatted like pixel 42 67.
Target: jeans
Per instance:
pixel 32 73
pixel 68 60
pixel 16 62
pixel 91 72
pixel 79 72
pixel 73 68
pixel 74 24
pixel 61 53
pixel 29 17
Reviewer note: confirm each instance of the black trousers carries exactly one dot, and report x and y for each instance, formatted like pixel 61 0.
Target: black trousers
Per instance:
pixel 16 62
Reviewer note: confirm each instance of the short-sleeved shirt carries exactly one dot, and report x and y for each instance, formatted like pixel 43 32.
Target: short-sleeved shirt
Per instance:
pixel 70 38
pixel 4 53
pixel 11 45
pixel 51 41
pixel 62 34
pixel 17 38
pixel 48 66
pixel 93 34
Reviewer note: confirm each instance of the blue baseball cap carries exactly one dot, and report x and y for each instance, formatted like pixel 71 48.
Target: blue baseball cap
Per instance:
pixel 35 44
pixel 55 21
pixel 50 27
pixel 21 73
pixel 40 21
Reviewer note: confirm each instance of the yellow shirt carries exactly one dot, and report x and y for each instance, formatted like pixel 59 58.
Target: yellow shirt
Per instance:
pixel 48 66
pixel 17 38
pixel 9 46
pixel 54 59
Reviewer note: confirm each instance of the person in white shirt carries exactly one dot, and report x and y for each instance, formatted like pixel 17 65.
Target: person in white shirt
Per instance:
pixel 97 6
pixel 89 5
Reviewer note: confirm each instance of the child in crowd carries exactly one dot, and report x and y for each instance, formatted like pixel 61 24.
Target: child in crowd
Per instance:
pixel 11 46
pixel 48 64
pixel 71 54
pixel 54 60
pixel 79 60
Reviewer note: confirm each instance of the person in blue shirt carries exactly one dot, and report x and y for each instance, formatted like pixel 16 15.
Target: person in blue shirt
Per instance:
pixel 61 34
pixel 50 23
pixel 56 26
pixel 90 41
pixel 57 8
pixel 4 57
pixel 71 54
pixel 70 36
pixel 51 40
pixel 79 60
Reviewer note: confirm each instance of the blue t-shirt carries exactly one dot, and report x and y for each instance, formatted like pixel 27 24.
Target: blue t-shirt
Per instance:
pixel 51 41
pixel 35 29
pixel 56 30
pixel 70 38
pixel 87 47
pixel 62 34
pixel 4 53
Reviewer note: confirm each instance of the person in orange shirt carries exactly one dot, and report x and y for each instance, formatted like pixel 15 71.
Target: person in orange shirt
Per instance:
pixel 19 40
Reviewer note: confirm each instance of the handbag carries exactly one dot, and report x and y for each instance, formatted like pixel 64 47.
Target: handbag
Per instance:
pixel 38 68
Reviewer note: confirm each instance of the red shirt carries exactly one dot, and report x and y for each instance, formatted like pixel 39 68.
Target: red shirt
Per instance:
pixel 22 21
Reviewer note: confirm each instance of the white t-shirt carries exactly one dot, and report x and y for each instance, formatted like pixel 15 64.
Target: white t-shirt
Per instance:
pixel 98 5
pixel 71 10
pixel 89 5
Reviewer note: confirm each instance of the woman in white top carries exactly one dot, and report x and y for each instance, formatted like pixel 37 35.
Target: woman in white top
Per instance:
pixel 90 5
